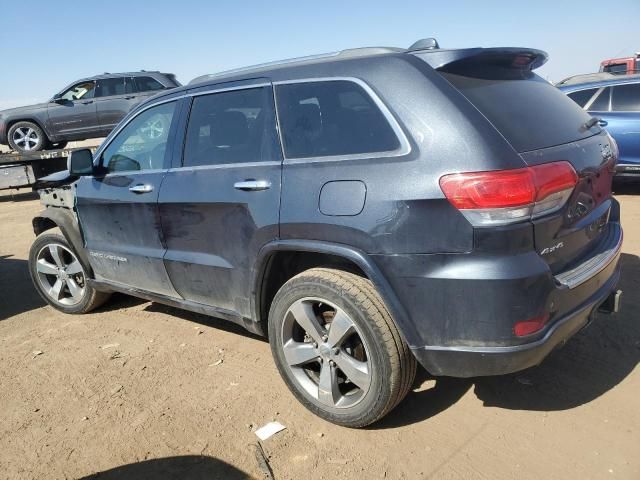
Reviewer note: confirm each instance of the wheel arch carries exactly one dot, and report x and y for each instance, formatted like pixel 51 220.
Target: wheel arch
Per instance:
pixel 267 280
pixel 65 220
pixel 32 119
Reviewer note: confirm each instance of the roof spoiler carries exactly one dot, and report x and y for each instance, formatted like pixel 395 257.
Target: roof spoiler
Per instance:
pixel 504 57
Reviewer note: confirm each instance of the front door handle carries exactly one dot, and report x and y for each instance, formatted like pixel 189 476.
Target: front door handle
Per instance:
pixel 141 188
pixel 603 123
pixel 251 185
pixel 88 102
pixel 129 97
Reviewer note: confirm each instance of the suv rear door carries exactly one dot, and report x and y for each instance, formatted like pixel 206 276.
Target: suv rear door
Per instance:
pixel 115 97
pixel 220 202
pixel 118 211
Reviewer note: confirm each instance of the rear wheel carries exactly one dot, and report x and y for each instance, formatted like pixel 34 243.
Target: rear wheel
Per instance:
pixel 337 347
pixel 27 137
pixel 59 276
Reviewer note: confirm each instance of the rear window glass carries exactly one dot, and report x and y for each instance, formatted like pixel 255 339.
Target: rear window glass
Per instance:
pixel 601 103
pixel 581 97
pixel 331 118
pixel 626 98
pixel 528 111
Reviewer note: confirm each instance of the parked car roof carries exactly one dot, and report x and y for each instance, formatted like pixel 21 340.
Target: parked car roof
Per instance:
pixel 597 80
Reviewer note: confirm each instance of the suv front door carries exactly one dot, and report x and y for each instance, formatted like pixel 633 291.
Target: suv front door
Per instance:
pixel 73 114
pixel 118 211
pixel 220 202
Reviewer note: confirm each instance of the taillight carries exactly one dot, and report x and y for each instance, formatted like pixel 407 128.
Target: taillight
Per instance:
pixel 508 196
pixel 533 325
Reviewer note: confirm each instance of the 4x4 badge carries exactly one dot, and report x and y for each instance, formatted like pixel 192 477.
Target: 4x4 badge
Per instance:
pixel 557 246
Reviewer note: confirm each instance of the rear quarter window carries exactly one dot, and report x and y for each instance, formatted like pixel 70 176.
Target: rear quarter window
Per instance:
pixel 146 84
pixel 329 118
pixel 527 110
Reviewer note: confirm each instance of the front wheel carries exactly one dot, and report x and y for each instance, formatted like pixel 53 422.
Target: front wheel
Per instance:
pixel 337 347
pixel 59 277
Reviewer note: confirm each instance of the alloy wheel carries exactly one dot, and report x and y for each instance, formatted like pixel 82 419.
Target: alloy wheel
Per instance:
pixel 60 274
pixel 26 138
pixel 326 353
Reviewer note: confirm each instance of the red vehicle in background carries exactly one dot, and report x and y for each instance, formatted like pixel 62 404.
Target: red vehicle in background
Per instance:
pixel 621 65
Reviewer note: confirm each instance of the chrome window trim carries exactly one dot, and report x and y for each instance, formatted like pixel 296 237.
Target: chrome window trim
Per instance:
pixel 132 172
pixel 224 165
pixel 403 149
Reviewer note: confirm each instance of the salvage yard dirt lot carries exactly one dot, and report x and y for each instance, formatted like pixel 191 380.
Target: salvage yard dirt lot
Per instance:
pixel 140 390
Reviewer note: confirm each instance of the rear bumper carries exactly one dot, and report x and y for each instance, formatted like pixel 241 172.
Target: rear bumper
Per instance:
pixel 462 308
pixel 483 361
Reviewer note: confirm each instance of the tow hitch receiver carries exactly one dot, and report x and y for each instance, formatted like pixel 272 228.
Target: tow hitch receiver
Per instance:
pixel 612 303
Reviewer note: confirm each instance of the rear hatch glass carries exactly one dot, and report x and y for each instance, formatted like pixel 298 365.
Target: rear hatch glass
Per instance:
pixel 526 109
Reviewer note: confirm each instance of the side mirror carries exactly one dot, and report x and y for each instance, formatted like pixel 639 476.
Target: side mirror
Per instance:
pixel 57 98
pixel 80 163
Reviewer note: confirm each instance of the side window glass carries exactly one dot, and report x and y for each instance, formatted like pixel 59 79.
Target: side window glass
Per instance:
pixel 331 118
pixel 626 98
pixel 146 84
pixel 601 103
pixel 229 127
pixel 129 85
pixel 142 144
pixel 84 90
pixel 581 97
pixel 108 87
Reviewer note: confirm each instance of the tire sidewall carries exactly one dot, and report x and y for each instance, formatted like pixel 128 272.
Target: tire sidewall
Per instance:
pixel 377 396
pixel 41 135
pixel 40 242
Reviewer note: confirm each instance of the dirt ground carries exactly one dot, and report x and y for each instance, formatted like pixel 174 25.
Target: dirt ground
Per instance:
pixel 137 390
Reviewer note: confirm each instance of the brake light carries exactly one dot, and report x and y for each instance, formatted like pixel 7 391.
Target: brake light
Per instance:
pixel 508 196
pixel 533 325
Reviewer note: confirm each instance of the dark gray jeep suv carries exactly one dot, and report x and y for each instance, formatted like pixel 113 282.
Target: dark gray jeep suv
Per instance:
pixel 88 108
pixel 366 210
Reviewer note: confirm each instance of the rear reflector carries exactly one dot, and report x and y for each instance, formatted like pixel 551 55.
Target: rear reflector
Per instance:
pixel 508 196
pixel 533 325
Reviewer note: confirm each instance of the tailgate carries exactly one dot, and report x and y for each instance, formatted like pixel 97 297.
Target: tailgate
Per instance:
pixel 543 126
pixel 570 235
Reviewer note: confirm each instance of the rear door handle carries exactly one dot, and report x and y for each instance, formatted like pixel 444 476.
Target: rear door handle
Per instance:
pixel 141 188
pixel 603 123
pixel 251 185
pixel 129 97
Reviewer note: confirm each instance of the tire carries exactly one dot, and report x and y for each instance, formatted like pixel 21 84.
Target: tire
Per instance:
pixel 325 301
pixel 59 145
pixel 59 277
pixel 27 137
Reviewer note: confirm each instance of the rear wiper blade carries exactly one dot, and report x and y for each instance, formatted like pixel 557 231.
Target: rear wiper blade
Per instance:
pixel 590 123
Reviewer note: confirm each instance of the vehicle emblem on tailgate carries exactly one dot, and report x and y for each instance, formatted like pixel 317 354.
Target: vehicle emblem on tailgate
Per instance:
pixel 553 248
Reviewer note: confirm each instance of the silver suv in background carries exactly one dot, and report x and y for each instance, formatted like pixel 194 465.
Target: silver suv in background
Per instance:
pixel 87 108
